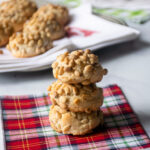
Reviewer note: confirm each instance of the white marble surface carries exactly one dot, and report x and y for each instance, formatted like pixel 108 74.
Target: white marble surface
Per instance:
pixel 128 65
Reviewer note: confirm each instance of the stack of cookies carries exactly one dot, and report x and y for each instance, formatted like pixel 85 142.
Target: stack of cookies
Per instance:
pixel 75 98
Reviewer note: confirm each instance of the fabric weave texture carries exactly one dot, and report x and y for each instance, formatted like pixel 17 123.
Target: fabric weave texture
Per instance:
pixel 27 127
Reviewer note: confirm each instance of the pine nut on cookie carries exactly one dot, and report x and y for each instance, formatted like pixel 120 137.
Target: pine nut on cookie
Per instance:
pixel 13 14
pixel 78 67
pixel 75 123
pixel 76 97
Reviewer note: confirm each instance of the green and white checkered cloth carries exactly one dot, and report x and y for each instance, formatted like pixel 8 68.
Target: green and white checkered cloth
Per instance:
pixel 137 16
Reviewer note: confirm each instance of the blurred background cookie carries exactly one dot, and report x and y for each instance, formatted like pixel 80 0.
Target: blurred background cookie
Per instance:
pixel 78 123
pixel 60 13
pixel 76 97
pixel 78 67
pixel 28 45
pixel 37 35
pixel 45 21
pixel 13 14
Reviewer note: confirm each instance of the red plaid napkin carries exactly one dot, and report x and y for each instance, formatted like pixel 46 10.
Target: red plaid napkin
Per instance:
pixel 26 125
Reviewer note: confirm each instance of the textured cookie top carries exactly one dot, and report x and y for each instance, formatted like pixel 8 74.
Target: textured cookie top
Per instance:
pixel 37 34
pixel 60 13
pixel 60 89
pixel 13 14
pixel 41 26
pixel 76 97
pixel 78 67
pixel 16 11
pixel 74 123
pixel 36 31
pixel 22 45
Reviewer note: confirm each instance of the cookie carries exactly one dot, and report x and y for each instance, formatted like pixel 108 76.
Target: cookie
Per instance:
pixel 78 123
pixel 76 97
pixel 61 13
pixel 37 35
pixel 44 21
pixel 13 14
pixel 23 45
pixel 78 67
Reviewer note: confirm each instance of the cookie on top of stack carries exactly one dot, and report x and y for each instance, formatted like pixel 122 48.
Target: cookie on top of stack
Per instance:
pixel 75 98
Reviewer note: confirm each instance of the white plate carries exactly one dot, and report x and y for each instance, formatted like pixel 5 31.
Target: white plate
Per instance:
pixel 86 31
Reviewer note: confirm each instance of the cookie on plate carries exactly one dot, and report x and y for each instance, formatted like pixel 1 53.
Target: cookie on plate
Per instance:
pixel 13 14
pixel 76 97
pixel 37 35
pixel 60 12
pixel 78 67
pixel 44 20
pixel 23 45
pixel 75 123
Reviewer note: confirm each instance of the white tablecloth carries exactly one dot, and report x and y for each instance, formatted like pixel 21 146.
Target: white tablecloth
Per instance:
pixel 128 65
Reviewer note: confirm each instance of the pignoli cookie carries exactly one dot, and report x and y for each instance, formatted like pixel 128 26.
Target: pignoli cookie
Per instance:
pixel 76 97
pixel 37 35
pixel 13 14
pixel 78 123
pixel 60 12
pixel 78 67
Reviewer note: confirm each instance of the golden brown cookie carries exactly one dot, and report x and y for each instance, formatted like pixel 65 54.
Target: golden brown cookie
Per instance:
pixel 76 97
pixel 45 23
pixel 37 34
pixel 13 14
pixel 78 123
pixel 78 67
pixel 23 45
pixel 60 13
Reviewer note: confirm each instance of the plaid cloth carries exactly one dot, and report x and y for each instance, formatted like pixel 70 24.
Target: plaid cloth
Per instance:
pixel 27 127
pixel 138 16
